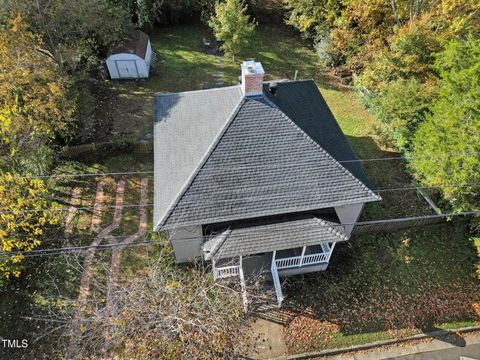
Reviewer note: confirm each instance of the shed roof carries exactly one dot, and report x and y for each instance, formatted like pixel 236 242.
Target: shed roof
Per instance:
pixel 277 233
pixel 261 156
pixel 136 45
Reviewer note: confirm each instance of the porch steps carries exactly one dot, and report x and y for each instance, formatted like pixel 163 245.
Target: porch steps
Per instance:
pixel 265 306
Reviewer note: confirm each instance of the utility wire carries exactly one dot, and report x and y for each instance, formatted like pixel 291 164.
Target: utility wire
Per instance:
pixel 357 223
pixel 262 197
pixel 440 155
pixel 82 175
pixel 330 225
pixel 73 250
pixel 76 208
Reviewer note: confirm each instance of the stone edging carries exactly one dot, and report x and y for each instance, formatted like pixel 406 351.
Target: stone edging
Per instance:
pixel 375 344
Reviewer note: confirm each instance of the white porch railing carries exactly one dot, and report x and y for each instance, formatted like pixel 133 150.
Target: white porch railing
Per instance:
pixel 276 284
pixel 226 271
pixel 229 271
pixel 310 259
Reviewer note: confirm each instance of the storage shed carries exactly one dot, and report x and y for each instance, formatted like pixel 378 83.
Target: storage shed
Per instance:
pixel 131 60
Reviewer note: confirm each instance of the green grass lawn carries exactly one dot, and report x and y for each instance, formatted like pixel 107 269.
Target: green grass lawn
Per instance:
pixel 184 65
pixel 376 287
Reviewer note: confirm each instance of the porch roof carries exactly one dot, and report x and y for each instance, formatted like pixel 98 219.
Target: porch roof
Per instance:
pixel 280 233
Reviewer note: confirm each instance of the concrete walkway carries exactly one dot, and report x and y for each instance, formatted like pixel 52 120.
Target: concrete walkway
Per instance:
pixel 445 349
pixel 267 340
pixel 469 352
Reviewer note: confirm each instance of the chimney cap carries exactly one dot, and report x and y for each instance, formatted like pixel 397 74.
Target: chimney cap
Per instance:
pixel 253 68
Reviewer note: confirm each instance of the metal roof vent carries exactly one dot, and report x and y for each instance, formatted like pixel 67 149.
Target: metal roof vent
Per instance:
pixel 272 88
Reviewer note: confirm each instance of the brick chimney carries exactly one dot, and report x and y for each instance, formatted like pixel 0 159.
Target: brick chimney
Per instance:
pixel 252 78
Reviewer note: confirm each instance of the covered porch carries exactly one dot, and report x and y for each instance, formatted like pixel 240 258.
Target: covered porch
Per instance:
pixel 278 246
pixel 280 263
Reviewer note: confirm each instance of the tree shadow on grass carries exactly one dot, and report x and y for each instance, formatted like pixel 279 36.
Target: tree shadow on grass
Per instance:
pixel 388 176
pixel 445 335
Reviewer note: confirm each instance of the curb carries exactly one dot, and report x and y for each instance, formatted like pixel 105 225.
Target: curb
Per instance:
pixel 375 344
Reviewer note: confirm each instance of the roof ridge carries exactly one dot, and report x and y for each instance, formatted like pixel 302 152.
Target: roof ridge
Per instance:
pixel 224 236
pixel 300 130
pixel 202 162
pixel 195 91
pixel 332 229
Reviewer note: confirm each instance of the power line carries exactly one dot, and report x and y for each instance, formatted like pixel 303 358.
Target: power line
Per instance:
pixel 76 208
pixel 82 175
pixel 55 251
pixel 73 249
pixel 258 197
pixel 361 223
pixel 390 158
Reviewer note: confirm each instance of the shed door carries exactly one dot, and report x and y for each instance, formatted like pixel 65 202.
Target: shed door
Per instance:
pixel 127 68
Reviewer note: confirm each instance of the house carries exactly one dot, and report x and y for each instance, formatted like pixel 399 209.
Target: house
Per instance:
pixel 131 60
pixel 255 176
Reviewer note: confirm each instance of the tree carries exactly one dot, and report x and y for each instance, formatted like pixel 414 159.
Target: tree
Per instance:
pixel 447 144
pixel 34 108
pixel 74 32
pixel 310 15
pixel 231 24
pixel 401 107
pixel 24 215
pixel 166 312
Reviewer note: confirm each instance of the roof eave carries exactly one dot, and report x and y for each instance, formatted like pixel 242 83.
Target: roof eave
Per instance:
pixel 262 214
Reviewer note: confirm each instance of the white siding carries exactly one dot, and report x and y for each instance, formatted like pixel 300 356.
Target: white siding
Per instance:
pixel 148 55
pixel 349 214
pixel 187 243
pixel 128 66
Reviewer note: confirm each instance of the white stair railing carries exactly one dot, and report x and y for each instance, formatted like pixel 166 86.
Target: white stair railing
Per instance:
pixel 243 286
pixel 276 283
pixel 226 271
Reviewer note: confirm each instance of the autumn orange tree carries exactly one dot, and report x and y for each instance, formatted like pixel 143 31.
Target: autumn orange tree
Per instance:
pixel 24 214
pixel 34 108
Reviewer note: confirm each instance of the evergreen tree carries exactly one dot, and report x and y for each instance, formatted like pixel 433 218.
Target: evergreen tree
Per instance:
pixel 454 127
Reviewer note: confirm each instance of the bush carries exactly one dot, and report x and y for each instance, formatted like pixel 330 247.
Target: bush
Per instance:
pixel 166 312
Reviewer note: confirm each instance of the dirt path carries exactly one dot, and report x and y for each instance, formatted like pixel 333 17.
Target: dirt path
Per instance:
pixel 218 75
pixel 97 208
pixel 112 284
pixel 72 211
pixel 89 257
pixel 117 251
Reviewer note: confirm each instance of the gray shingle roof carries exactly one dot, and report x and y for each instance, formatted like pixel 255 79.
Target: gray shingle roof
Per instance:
pixel 258 236
pixel 265 165
pixel 302 102
pixel 253 160
pixel 186 126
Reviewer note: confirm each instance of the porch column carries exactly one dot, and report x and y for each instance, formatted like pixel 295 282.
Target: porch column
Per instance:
pixel 301 257
pixel 243 286
pixel 214 270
